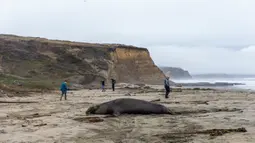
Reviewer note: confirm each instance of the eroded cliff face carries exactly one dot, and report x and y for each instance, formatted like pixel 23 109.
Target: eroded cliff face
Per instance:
pixel 34 60
pixel 135 65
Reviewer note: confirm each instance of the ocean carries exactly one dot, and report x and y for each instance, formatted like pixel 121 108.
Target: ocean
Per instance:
pixel 249 82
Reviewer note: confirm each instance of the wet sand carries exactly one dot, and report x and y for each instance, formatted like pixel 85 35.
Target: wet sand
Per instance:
pixel 196 113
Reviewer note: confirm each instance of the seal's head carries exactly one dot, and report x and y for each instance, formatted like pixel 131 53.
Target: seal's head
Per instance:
pixel 92 109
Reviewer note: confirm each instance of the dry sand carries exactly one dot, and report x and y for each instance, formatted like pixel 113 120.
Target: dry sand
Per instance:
pixel 52 120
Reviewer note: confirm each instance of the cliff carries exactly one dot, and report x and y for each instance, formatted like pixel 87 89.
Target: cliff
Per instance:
pixel 176 73
pixel 39 62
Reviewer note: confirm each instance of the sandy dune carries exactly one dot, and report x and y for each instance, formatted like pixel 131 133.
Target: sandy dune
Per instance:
pixel 51 120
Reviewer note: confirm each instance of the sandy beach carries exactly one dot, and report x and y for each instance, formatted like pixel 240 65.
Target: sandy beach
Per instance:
pixel 196 112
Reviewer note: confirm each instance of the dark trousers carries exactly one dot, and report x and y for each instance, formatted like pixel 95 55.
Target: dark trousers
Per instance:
pixel 103 89
pixel 113 87
pixel 63 93
pixel 167 91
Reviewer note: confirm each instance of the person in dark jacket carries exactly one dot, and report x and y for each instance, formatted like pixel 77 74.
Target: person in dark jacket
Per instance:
pixel 103 85
pixel 167 86
pixel 113 84
pixel 63 89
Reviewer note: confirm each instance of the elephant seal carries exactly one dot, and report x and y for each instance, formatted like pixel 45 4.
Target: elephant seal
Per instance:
pixel 128 106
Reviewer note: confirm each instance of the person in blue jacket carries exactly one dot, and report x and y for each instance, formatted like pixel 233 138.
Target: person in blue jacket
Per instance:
pixel 63 89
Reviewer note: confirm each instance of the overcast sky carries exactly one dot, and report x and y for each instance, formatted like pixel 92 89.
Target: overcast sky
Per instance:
pixel 202 36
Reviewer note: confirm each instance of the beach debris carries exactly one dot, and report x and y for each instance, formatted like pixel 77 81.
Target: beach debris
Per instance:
pixel 3 131
pixel 152 90
pixel 31 116
pixel 129 86
pixel 127 94
pixel 178 102
pixel 23 125
pixel 39 125
pixel 226 110
pixel 37 115
pixel 187 135
pixel 188 102
pixel 201 102
pixel 89 119
pixel 205 89
pixel 146 87
pixel 21 102
pixel 220 132
pixel 203 111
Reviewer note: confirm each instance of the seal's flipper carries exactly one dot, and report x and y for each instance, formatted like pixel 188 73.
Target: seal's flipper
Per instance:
pixel 170 112
pixel 116 113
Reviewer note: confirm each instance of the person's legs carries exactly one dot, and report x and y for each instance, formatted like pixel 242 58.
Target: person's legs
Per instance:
pixel 61 95
pixel 113 87
pixel 167 92
pixel 65 95
pixel 102 88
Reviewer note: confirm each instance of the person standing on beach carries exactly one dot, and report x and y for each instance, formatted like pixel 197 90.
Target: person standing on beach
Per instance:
pixel 167 86
pixel 113 84
pixel 103 85
pixel 63 89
